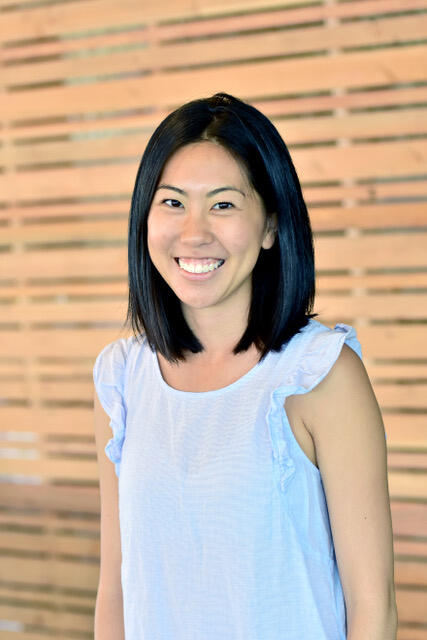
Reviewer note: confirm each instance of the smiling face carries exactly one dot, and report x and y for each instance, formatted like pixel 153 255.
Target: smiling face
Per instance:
pixel 204 212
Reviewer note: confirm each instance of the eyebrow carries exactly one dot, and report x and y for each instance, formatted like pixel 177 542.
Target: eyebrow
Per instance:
pixel 211 193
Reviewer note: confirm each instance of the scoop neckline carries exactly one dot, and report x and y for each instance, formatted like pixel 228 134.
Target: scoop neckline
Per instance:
pixel 198 394
pixel 246 376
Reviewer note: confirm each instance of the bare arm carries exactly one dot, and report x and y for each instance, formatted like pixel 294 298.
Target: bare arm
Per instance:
pixel 109 602
pixel 344 418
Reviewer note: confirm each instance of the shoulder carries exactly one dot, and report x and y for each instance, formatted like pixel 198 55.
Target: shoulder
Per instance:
pixel 112 361
pixel 347 368
pixel 346 387
pixel 118 350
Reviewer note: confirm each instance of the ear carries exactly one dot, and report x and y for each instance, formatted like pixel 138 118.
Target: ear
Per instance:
pixel 270 232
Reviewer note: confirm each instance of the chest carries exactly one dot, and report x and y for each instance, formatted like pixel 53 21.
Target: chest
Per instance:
pixel 214 426
pixel 200 377
pixel 197 454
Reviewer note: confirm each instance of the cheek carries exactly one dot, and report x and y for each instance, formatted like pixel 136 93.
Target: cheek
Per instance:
pixel 157 234
pixel 244 238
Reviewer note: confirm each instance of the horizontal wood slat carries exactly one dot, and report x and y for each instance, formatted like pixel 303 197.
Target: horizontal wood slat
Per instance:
pixel 66 263
pixel 84 85
pixel 25 595
pixel 346 194
pixel 347 70
pixel 156 57
pixel 389 306
pixel 351 127
pixel 279 107
pixel 55 20
pixel 402 250
pixel 43 617
pixel 57 572
pixel 329 163
pixel 380 341
pixel 65 500
pixel 60 20
pixel 366 283
pixel 49 543
pixel 18 635
pixel 412 603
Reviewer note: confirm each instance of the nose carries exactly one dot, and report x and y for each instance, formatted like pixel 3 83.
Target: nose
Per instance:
pixel 195 229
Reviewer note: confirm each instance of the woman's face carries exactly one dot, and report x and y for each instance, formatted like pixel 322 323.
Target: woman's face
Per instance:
pixel 204 215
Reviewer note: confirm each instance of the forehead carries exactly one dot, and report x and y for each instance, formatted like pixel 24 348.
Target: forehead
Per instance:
pixel 204 161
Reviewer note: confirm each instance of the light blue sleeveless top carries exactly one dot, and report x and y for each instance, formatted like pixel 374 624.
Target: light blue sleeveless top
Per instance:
pixel 224 524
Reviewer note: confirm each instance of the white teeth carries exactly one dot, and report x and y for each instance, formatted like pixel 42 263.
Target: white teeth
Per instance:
pixel 199 268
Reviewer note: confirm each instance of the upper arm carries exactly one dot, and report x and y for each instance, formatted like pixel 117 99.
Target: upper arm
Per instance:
pixel 344 418
pixel 110 547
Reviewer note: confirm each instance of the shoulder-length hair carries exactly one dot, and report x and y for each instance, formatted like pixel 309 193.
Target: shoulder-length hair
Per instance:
pixel 283 279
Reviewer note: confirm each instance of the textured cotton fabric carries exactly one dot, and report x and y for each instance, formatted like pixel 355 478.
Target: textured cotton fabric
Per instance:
pixel 224 523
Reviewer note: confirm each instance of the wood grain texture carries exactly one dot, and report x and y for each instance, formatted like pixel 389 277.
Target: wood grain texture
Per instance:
pixel 83 86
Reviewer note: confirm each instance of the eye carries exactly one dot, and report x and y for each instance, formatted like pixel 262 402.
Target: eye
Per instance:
pixel 232 205
pixel 170 200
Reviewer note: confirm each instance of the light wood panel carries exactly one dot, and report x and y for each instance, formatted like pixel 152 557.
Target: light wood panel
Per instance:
pixel 83 86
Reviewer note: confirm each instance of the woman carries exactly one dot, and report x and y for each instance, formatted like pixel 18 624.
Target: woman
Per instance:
pixel 250 476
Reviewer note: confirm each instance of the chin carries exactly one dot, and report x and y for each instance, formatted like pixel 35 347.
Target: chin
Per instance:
pixel 197 303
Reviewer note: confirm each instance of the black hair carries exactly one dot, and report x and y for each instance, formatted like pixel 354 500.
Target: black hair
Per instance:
pixel 283 279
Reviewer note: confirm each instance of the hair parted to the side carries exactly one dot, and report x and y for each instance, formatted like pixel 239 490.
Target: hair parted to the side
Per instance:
pixel 283 279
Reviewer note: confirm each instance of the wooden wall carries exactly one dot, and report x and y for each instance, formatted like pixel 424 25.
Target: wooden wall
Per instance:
pixel 83 85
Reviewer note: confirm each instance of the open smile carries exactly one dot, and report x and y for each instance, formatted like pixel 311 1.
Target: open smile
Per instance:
pixel 198 268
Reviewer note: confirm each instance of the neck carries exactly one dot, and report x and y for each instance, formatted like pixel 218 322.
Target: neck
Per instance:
pixel 218 329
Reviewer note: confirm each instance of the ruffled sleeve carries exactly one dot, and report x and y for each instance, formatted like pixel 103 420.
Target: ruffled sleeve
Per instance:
pixel 313 360
pixel 108 377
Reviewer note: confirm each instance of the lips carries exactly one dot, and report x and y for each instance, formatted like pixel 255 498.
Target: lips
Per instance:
pixel 198 260
pixel 199 266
